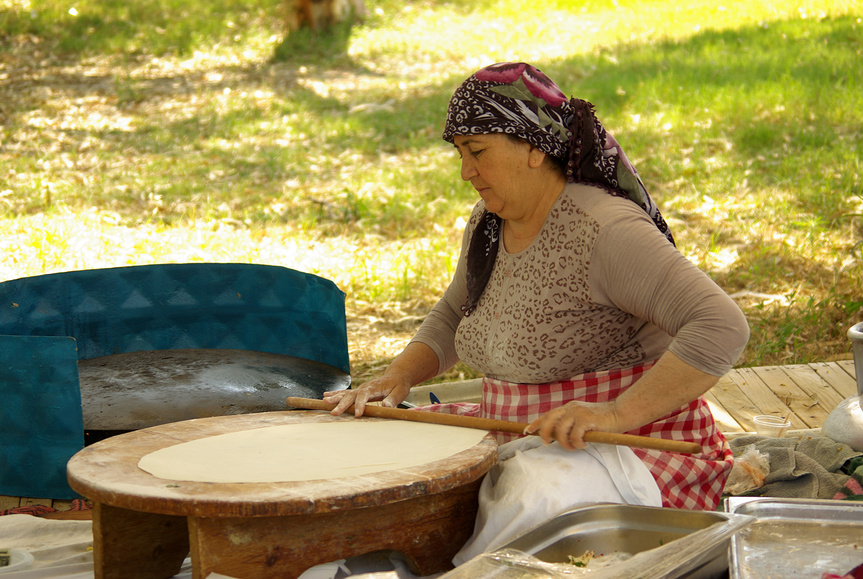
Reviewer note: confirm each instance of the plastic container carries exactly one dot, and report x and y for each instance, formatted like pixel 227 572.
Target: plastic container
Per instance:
pixel 20 559
pixel 767 425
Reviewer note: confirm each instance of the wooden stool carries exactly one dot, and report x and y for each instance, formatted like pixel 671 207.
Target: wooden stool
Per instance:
pixel 145 526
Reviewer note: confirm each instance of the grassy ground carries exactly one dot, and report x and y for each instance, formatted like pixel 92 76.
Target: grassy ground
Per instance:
pixel 138 132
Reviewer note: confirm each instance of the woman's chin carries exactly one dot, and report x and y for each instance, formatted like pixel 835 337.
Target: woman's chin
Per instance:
pixel 492 205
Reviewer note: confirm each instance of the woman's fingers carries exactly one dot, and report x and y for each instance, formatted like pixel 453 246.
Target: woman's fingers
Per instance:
pixel 343 400
pixel 552 426
pixel 565 425
pixel 362 396
pixel 371 391
pixel 564 432
pixel 396 395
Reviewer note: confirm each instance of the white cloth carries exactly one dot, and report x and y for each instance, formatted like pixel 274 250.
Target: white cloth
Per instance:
pixel 377 565
pixel 534 482
pixel 64 550
pixel 60 549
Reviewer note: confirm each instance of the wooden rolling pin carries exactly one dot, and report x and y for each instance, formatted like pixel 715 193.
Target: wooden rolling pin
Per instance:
pixel 501 425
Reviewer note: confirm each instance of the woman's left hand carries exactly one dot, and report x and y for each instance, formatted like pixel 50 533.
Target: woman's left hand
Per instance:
pixel 568 423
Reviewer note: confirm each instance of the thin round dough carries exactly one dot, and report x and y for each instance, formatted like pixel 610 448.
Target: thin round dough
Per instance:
pixel 309 451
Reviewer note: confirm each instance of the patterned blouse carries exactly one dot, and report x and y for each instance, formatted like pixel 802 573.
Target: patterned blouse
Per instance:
pixel 599 288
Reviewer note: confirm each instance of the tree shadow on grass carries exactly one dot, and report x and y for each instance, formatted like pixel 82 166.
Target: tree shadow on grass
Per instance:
pixel 319 47
pixel 706 70
pixel 768 93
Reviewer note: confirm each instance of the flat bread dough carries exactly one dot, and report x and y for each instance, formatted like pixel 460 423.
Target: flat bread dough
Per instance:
pixel 309 451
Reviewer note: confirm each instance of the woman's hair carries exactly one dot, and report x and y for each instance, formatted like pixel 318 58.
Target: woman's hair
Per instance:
pixel 518 100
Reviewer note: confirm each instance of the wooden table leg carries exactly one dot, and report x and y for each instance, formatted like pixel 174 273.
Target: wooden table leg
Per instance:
pixel 428 529
pixel 134 545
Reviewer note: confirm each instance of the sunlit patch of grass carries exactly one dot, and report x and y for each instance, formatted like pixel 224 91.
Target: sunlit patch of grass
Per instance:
pixel 165 27
pixel 200 133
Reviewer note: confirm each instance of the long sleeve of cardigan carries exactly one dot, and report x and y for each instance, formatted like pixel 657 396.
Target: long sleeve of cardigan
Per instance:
pixel 633 268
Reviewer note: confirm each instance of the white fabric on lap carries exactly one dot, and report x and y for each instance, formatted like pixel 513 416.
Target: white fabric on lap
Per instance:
pixel 534 482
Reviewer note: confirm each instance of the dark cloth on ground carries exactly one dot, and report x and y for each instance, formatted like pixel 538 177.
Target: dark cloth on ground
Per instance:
pixel 807 467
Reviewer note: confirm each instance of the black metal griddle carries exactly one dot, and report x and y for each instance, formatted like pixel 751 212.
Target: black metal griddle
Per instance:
pixel 134 390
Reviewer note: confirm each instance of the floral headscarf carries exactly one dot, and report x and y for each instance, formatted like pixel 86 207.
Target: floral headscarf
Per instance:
pixel 518 99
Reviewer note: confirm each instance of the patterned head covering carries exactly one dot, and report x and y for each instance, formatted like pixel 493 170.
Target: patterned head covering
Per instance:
pixel 518 99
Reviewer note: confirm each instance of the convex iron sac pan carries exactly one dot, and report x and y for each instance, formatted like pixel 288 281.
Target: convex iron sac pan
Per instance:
pixel 134 390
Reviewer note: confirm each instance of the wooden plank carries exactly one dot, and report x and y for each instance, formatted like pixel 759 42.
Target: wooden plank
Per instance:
pixel 30 502
pixel 724 420
pixel 839 378
pixel 848 366
pixel 819 389
pixel 135 545
pixel 428 529
pixel 763 398
pixel 730 396
pixel 798 400
pixel 7 502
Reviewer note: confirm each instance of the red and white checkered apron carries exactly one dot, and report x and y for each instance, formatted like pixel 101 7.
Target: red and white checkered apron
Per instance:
pixel 686 481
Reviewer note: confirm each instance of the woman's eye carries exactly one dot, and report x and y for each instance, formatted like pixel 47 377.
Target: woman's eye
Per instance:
pixel 477 152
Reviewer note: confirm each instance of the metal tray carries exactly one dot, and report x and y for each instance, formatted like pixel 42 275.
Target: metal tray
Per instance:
pixel 668 542
pixel 797 538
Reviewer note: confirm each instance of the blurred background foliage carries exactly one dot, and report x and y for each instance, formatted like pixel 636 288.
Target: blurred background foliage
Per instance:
pixel 168 130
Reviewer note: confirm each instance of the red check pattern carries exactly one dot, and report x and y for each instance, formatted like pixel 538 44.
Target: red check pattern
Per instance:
pixel 686 481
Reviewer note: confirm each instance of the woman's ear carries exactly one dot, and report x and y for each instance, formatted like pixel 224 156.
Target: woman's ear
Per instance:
pixel 536 158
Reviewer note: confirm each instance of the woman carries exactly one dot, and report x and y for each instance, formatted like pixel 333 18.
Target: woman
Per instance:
pixel 572 299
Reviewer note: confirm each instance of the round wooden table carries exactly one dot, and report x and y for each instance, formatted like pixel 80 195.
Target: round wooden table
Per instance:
pixel 144 527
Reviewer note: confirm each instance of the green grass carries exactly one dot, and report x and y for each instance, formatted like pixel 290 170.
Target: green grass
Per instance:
pixel 140 132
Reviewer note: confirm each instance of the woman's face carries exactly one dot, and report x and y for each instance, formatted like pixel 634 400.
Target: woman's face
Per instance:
pixel 498 167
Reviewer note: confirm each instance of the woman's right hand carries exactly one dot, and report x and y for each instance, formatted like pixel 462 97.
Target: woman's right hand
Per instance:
pixel 389 390
pixel 416 363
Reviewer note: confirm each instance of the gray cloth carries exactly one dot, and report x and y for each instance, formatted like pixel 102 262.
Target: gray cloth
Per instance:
pixel 805 467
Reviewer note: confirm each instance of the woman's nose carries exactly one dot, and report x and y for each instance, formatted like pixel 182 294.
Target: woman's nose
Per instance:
pixel 467 168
